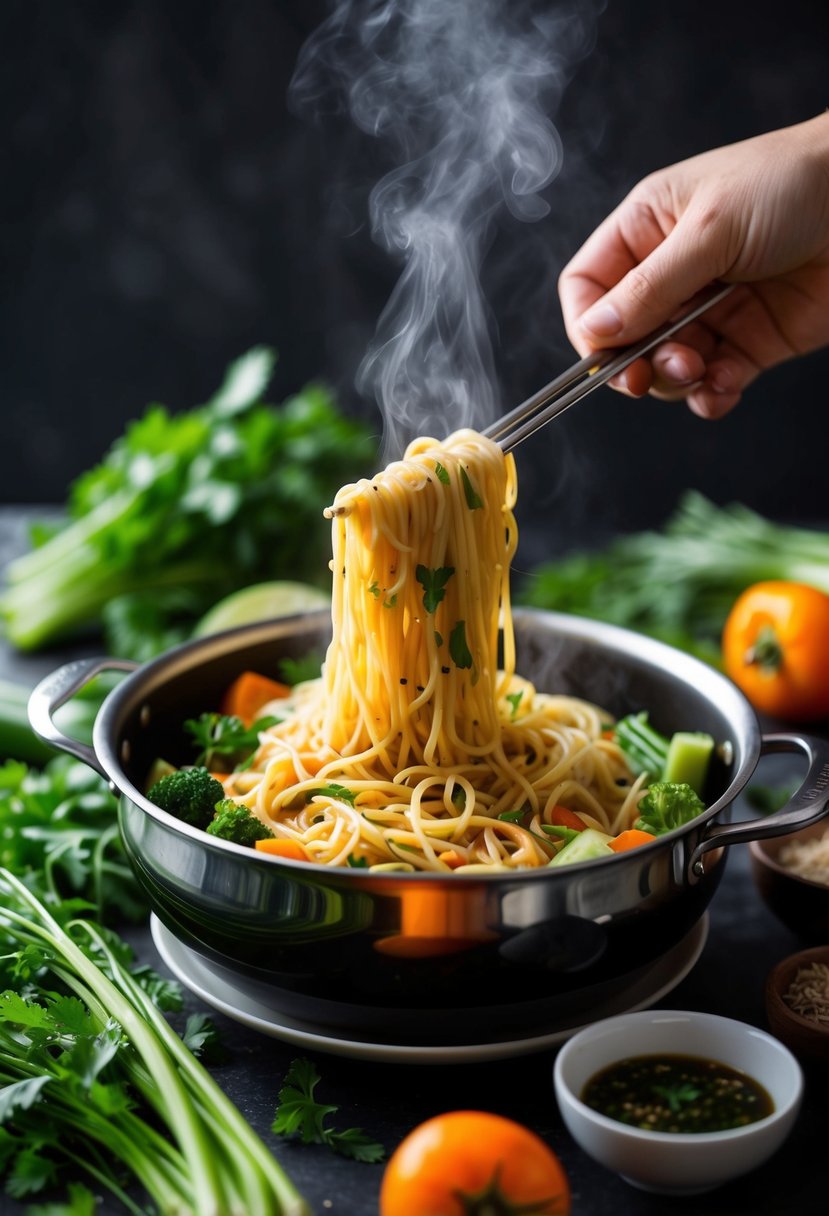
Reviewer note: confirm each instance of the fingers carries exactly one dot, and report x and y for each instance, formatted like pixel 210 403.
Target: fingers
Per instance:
pixel 726 378
pixel 636 271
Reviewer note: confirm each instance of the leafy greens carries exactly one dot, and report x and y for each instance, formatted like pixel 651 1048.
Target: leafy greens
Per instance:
pixel 184 509
pixel 678 584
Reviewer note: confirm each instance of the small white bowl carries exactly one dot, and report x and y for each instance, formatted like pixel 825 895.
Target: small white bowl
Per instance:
pixel 670 1162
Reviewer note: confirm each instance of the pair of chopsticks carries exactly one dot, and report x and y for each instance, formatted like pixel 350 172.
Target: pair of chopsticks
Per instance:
pixel 590 373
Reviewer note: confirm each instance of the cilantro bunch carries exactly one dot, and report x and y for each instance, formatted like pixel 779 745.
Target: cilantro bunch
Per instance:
pixel 58 830
pixel 91 1073
pixel 185 508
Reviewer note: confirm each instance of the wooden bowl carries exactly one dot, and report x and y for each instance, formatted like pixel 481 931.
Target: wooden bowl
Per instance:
pixel 806 1038
pixel 801 904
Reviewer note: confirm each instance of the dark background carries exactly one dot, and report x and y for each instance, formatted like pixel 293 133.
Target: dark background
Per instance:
pixel 163 210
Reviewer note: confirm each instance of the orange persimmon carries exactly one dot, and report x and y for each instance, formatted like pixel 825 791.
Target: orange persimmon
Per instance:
pixel 467 1162
pixel 775 648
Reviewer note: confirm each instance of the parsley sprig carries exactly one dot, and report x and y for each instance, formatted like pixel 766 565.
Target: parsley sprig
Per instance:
pixel 433 582
pixel 298 1113
pixel 224 742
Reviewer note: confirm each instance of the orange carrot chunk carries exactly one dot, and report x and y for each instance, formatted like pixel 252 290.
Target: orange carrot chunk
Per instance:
pixel 248 693
pixel 280 847
pixel 630 840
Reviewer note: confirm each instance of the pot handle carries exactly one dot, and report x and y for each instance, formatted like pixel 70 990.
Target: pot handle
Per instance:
pixel 807 804
pixel 58 688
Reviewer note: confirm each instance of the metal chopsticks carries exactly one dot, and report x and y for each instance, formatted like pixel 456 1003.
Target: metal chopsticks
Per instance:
pixel 590 373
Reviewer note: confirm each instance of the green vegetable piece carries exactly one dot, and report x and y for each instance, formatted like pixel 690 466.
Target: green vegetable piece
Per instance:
pixel 585 846
pixel 298 1113
pixel 473 498
pixel 645 748
pixel 667 806
pixel 224 741
pixel 237 823
pixel 688 759
pixel 441 473
pixel 433 583
pixel 190 794
pixel 158 769
pixel 333 790
pixel 458 648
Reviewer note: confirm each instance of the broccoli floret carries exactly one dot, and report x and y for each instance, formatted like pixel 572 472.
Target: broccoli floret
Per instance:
pixel 233 821
pixel 668 805
pixel 190 794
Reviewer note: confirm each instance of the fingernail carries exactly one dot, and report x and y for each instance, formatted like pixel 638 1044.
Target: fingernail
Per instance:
pixel 602 320
pixel 674 368
pixel 723 380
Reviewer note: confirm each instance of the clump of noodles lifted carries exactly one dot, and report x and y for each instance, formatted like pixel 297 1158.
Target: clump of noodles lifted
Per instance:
pixel 414 741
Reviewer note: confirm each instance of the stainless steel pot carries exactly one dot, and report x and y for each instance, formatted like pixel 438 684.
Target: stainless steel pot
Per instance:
pixel 438 956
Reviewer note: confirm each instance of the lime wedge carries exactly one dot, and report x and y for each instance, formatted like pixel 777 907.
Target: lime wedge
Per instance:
pixel 261 602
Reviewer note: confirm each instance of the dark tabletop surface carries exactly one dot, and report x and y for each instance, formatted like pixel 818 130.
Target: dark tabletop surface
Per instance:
pixel 388 1099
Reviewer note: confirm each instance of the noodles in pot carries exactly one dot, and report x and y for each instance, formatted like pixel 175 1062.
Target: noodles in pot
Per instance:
pixel 420 747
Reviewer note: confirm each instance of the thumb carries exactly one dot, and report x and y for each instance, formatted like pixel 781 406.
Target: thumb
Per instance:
pixel 654 290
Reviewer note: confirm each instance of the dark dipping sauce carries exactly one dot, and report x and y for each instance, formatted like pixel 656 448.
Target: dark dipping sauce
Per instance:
pixel 675 1093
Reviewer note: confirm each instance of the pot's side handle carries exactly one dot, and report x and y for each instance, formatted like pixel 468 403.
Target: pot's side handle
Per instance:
pixel 808 803
pixel 55 690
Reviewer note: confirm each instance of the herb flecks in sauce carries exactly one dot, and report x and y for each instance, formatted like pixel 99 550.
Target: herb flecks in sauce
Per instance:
pixel 676 1093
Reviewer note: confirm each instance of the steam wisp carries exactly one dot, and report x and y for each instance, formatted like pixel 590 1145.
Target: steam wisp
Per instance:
pixel 461 93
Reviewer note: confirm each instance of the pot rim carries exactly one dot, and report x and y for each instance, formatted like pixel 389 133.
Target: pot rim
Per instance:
pixel 684 667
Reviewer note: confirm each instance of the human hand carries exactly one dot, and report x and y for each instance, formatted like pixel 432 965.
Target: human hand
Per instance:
pixel 755 213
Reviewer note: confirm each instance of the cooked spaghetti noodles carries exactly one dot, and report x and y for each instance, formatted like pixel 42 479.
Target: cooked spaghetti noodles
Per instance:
pixel 420 747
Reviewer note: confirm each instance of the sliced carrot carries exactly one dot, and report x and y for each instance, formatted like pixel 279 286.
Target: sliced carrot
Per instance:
pixel 630 840
pixel 248 693
pixel 562 817
pixel 280 847
pixel 451 858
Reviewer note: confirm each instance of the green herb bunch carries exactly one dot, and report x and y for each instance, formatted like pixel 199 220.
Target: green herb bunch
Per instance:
pixel 93 1077
pixel 185 508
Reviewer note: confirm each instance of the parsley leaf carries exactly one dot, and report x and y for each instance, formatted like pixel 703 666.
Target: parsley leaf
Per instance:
pixel 299 1113
pixel 224 740
pixel 458 648
pixel 433 583
pixel 514 699
pixel 473 498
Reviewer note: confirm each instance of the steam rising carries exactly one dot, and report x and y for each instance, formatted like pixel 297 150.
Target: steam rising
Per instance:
pixel 461 93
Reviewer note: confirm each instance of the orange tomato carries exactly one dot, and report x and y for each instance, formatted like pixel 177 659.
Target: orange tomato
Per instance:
pixel 775 648
pixel 468 1163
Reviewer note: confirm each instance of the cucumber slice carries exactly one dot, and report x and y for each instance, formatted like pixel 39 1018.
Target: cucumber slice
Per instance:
pixel 586 846
pixel 688 758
